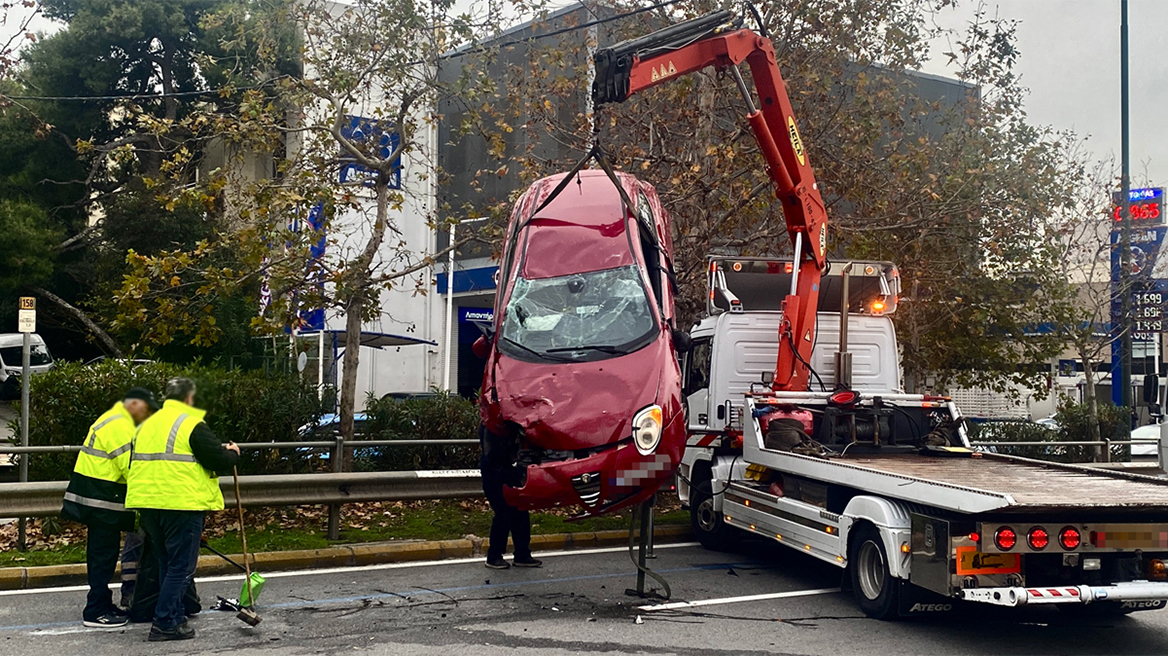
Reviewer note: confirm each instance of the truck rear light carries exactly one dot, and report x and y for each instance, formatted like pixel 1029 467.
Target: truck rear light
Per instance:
pixel 1157 570
pixel 1038 538
pixel 1005 538
pixel 878 305
pixel 1070 538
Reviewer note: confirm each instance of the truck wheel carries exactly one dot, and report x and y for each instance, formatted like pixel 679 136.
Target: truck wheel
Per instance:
pixel 706 522
pixel 877 592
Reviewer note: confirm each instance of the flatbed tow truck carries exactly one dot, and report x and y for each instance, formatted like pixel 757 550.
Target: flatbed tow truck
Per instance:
pixel 878 482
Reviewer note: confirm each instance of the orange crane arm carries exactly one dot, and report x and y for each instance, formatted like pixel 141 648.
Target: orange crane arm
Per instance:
pixel 718 40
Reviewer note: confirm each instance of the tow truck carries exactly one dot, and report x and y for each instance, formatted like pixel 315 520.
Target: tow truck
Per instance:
pixel 845 466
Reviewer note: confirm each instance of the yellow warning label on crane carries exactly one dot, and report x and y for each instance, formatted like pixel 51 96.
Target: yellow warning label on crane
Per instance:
pixel 796 140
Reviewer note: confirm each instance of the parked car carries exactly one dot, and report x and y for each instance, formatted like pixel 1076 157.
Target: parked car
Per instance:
pixel 1151 432
pixel 329 426
pixel 11 361
pixel 581 382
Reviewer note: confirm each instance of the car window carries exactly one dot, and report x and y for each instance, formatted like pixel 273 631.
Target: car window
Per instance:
pixel 578 316
pixel 38 355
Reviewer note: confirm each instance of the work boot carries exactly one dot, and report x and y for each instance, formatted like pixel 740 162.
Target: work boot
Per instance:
pixel 497 563
pixel 527 562
pixel 181 632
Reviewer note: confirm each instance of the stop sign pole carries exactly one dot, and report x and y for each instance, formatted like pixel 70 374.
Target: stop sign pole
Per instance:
pixel 26 324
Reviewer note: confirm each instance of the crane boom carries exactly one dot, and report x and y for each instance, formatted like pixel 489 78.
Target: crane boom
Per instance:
pixel 718 40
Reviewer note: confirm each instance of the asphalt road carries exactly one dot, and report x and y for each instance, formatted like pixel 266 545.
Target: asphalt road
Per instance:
pixel 574 605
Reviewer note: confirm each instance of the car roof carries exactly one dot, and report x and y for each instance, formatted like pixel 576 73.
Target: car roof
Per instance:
pixel 17 339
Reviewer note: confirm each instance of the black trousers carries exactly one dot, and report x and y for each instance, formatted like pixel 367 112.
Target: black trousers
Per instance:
pixel 103 548
pixel 507 520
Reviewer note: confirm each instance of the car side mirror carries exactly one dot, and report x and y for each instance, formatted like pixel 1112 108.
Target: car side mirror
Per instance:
pixel 481 347
pixel 682 342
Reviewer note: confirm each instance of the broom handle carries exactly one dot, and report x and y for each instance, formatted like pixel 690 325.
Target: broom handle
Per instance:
pixel 243 536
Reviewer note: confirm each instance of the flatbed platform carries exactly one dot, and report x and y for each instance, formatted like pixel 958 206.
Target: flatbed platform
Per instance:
pixel 986 483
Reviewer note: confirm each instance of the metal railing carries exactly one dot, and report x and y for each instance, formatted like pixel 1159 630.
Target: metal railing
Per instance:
pixel 1105 443
pixel 334 488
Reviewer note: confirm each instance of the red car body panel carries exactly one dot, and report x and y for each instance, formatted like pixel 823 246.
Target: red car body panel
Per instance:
pixel 586 407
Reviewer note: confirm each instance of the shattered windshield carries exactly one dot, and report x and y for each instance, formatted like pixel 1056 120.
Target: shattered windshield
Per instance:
pixel 579 316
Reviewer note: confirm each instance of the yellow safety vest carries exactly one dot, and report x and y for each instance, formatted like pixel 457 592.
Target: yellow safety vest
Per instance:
pixel 164 474
pixel 99 480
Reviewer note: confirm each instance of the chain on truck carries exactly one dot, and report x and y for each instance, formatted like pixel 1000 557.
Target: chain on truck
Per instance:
pixel 799 431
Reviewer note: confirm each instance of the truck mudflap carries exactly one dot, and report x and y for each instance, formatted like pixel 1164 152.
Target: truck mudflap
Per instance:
pixel 1153 595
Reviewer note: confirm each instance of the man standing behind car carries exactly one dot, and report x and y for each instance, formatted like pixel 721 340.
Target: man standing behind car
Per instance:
pixel 96 497
pixel 173 482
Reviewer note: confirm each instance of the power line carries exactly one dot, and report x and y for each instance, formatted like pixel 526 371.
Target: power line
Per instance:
pixel 461 53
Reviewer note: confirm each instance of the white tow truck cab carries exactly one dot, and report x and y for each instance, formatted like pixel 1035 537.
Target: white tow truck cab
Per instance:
pixel 884 484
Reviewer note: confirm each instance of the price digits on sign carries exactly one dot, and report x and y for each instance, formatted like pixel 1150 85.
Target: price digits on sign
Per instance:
pixel 1140 211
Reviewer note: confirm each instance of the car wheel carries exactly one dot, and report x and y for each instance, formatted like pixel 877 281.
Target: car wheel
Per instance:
pixel 707 522
pixel 876 591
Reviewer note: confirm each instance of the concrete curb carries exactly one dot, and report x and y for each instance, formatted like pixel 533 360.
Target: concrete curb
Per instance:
pixel 373 553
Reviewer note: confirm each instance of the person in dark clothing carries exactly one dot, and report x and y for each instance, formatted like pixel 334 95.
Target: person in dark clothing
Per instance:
pixel 96 497
pixel 173 482
pixel 498 469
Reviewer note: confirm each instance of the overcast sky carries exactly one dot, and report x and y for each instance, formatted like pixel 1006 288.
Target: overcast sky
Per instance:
pixel 1070 62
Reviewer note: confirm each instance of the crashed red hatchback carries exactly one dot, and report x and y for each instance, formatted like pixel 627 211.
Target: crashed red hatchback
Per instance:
pixel 582 387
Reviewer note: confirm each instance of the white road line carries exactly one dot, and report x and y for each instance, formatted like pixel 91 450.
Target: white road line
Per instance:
pixel 362 568
pixel 734 600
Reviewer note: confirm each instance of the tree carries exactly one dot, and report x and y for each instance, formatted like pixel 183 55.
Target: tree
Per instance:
pixel 955 190
pixel 322 231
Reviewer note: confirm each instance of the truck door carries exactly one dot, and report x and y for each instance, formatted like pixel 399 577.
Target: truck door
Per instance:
pixel 697 384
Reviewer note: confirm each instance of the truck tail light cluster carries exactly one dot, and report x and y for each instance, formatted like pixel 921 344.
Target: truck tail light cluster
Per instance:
pixel 1038 538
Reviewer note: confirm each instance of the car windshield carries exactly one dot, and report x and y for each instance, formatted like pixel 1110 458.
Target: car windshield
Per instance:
pixel 583 316
pixel 38 355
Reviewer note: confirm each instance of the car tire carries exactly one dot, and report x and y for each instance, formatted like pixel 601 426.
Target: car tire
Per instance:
pixel 705 521
pixel 877 592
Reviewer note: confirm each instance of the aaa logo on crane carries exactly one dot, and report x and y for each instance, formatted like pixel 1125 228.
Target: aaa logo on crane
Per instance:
pixel 796 140
pixel 664 72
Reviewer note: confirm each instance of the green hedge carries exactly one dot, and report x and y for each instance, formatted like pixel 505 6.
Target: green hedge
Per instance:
pixel 1072 427
pixel 443 416
pixel 242 406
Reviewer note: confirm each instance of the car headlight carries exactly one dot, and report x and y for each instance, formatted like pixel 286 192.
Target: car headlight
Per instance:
pixel 647 429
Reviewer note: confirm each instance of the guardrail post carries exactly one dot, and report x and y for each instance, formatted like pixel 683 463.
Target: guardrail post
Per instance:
pixel 334 516
pixel 1106 449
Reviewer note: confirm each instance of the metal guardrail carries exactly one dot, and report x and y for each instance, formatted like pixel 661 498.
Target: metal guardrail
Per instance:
pixel 1106 451
pixel 251 446
pixel 42 499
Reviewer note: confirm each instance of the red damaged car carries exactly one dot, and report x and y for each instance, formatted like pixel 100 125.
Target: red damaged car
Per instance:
pixel 581 395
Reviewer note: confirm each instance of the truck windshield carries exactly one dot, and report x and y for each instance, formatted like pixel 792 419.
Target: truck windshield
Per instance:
pixel 38 356
pixel 583 316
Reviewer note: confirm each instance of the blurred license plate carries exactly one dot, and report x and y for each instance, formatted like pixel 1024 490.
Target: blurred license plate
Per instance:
pixel 1131 537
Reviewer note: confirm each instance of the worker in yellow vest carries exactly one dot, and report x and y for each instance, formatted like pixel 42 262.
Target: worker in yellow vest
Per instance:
pixel 173 482
pixel 96 497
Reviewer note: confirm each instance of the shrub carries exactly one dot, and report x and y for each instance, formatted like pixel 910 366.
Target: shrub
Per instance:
pixel 242 406
pixel 444 416
pixel 1072 427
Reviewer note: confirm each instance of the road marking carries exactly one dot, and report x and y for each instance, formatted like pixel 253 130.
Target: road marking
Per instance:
pixel 735 600
pixel 361 568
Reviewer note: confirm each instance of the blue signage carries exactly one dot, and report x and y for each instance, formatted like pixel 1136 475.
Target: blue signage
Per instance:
pixel 364 131
pixel 477 315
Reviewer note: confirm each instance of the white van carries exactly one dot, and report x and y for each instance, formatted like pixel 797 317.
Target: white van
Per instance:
pixel 11 345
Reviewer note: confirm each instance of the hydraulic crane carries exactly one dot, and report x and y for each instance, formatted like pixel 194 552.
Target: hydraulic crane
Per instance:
pixel 719 40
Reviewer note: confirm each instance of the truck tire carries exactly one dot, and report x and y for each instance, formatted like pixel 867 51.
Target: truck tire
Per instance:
pixel 876 591
pixel 706 522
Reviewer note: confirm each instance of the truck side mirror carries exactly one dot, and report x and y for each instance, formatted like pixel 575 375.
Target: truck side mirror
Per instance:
pixel 682 342
pixel 481 347
pixel 1151 389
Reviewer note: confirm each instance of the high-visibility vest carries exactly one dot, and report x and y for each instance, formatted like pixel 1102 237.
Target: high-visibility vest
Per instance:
pixel 97 488
pixel 164 474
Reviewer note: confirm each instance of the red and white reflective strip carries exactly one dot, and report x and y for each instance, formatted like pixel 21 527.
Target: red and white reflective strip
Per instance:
pixel 705 440
pixel 1052 595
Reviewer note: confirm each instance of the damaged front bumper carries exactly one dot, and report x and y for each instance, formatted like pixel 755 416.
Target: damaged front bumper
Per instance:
pixel 602 482
pixel 1133 592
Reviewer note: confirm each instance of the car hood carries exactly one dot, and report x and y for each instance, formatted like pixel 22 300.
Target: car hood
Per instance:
pixel 577 405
